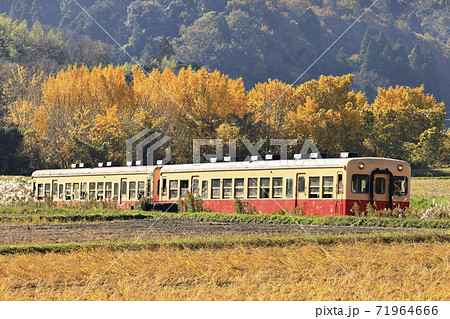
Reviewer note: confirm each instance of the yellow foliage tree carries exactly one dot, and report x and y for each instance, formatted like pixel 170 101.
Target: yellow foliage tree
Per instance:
pixel 328 112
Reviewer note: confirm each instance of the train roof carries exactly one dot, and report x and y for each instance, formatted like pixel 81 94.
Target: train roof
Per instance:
pixel 94 171
pixel 261 164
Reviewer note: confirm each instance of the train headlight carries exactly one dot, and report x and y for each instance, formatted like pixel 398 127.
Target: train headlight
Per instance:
pixel 361 165
pixel 400 167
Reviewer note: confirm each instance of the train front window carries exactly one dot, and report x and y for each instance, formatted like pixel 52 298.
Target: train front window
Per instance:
pixel 380 185
pixel 327 188
pixel 264 191
pixel 400 185
pixel 252 188
pixel 289 188
pixel 204 189
pixel 227 188
pixel 215 188
pixel 360 184
pixel 173 189
pixel 184 186
pixel 277 187
pixel 239 188
pixel 314 187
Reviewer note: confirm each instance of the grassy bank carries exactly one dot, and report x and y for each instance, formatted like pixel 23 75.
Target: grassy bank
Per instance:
pixel 231 242
pixel 71 215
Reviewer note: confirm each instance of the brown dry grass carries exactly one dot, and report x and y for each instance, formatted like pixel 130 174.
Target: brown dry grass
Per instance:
pixel 430 187
pixel 389 272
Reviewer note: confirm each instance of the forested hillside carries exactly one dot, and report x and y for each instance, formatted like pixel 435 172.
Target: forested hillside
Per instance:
pixel 54 111
pixel 396 42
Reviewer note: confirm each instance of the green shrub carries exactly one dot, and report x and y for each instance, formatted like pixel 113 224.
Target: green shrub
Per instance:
pixel 238 206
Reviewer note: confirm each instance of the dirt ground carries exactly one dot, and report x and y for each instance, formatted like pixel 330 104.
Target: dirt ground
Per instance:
pixel 130 230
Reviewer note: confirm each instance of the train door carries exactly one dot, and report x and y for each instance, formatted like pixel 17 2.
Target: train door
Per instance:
pixel 340 194
pixel 380 191
pixel 301 191
pixel 123 190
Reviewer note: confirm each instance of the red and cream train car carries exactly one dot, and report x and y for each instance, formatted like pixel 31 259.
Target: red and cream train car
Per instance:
pixel 330 186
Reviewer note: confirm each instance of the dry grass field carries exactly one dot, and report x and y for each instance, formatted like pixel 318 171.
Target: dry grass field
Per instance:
pixel 387 271
pixel 401 271
pixel 430 187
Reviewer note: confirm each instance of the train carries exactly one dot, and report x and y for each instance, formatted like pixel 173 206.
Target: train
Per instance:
pixel 309 184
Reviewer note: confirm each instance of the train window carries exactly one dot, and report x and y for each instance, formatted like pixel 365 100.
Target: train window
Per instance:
pixel 215 188
pixel 264 191
pixel 227 188
pixel 123 190
pixel 340 189
pixel 76 191
pixel 108 190
pixel 195 186
pixel 91 191
pixel 380 185
pixel 238 188
pixel 314 187
pixel 252 188
pixel 34 188
pixel 400 185
pixel 360 183
pixel 184 186
pixel 68 191
pixel 205 189
pixel 40 191
pixel 301 184
pixel 141 189
pixel 164 187
pixel 327 186
pixel 277 187
pixel 55 189
pixel 61 191
pixel 116 191
pixel 100 191
pixel 173 189
pixel 132 191
pixel 83 193
pixel 47 190
pixel 289 187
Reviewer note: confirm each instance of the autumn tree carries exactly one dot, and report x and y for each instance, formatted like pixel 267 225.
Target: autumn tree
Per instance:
pixel 400 115
pixel 328 111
